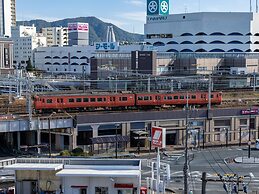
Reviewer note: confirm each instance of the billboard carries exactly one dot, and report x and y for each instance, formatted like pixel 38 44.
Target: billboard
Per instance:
pixel 106 46
pixel 78 27
pixel 157 7
pixel 158 137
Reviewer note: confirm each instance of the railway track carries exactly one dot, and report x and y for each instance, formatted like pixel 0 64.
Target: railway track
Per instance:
pixel 240 98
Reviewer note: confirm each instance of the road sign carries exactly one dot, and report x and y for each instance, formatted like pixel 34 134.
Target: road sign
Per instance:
pixel 158 137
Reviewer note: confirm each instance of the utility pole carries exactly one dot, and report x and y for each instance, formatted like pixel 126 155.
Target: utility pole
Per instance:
pixel 185 168
pixel 240 137
pixel 209 97
pixel 204 182
pixel 249 135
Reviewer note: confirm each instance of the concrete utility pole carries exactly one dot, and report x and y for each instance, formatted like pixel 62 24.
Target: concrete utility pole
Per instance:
pixel 185 168
pixel 204 182
pixel 209 97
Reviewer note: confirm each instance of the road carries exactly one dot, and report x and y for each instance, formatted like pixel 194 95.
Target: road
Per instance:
pixel 211 161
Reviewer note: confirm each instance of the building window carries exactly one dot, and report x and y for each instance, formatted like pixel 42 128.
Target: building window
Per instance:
pixel 101 190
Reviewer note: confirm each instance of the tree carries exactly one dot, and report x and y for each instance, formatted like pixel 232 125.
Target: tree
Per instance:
pixel 29 66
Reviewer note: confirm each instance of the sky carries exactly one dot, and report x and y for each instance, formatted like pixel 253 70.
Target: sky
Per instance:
pixel 129 15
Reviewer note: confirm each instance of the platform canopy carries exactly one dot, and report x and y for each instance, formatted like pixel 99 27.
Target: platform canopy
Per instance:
pixel 34 166
pixel 98 173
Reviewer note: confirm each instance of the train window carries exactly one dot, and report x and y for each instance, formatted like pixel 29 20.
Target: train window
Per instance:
pixel 71 100
pixel 123 99
pixel 58 101
pixel 165 97
pixel 140 98
pixel 170 97
pixel 182 97
pixel 193 96
pixel 99 99
pixel 49 101
pixel 176 97
pixel 104 99
pixel 92 99
pixel 150 97
pixel 85 100
pixel 203 96
pixel 61 100
pixel 146 98
pixel 79 100
pixel 43 100
pixel 212 96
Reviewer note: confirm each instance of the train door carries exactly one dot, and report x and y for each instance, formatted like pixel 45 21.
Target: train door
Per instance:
pixel 112 101
pixel 158 100
pixel 60 102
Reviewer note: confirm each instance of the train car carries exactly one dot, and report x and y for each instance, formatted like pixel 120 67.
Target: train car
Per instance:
pixel 86 101
pixel 177 98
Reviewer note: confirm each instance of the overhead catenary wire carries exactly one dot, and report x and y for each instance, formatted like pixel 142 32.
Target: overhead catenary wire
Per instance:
pixel 223 170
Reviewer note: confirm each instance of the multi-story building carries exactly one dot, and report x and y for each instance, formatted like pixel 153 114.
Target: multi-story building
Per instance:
pixel 56 36
pixel 203 32
pixel 25 40
pixel 64 60
pixel 78 34
pixel 7 17
pixel 6 53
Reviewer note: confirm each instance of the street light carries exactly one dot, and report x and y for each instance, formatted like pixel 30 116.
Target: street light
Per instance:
pixel 50 132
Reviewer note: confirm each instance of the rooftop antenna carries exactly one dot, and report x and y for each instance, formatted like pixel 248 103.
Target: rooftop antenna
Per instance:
pixel 256 6
pixel 185 9
pixel 250 5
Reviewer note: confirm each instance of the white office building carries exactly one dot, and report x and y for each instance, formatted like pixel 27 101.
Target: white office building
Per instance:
pixel 204 32
pixel 64 60
pixel 25 40
pixel 7 17
pixel 56 36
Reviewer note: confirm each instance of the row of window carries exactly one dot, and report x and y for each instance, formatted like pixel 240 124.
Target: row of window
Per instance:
pixel 213 50
pixel 66 57
pixel 79 100
pixel 150 36
pixel 181 97
pixel 48 63
pixel 203 42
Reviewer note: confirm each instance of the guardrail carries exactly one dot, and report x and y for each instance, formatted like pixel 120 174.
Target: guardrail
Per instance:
pixel 7 162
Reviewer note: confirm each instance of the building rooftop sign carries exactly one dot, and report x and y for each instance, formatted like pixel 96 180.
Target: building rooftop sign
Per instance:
pixel 157 7
pixel 106 46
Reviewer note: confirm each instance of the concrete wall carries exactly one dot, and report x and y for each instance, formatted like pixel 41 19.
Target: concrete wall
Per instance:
pixel 47 180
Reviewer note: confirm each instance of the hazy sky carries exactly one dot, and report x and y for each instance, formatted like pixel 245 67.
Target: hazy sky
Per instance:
pixel 127 14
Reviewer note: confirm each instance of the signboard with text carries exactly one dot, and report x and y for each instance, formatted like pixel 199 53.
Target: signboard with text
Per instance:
pixel 78 27
pixel 106 46
pixel 158 137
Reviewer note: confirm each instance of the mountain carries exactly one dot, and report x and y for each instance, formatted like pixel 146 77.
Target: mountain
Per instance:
pixel 97 27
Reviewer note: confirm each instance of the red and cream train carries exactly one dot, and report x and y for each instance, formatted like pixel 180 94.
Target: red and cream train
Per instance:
pixel 121 100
